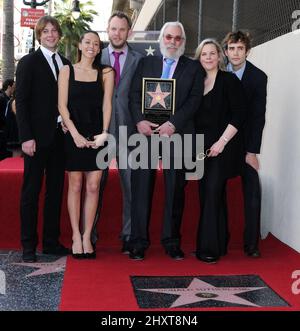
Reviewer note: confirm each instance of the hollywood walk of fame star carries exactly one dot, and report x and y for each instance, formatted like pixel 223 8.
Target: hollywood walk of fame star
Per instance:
pixel 158 97
pixel 199 290
pixel 150 50
pixel 45 267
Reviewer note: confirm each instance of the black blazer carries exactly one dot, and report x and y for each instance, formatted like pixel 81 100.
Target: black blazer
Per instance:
pixel 254 82
pixel 189 77
pixel 36 99
pixel 225 105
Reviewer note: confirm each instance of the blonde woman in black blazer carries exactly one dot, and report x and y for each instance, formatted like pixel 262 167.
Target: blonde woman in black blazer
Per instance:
pixel 219 118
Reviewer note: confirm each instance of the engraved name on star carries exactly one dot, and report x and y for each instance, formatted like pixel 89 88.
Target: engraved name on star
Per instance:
pixel 158 97
pixel 199 290
pixel 45 267
pixel 150 51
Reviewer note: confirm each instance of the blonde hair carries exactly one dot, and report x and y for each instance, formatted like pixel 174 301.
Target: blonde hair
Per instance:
pixel 211 41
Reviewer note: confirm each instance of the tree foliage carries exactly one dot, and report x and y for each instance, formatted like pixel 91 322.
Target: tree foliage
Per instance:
pixel 72 28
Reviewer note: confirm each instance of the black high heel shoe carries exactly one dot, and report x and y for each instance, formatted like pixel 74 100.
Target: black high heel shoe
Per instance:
pixel 91 255
pixel 77 255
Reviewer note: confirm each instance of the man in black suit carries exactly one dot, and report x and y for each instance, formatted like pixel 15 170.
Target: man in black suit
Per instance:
pixel 237 47
pixel 189 90
pixel 42 140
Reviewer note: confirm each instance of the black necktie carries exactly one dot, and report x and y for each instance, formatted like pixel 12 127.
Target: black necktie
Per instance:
pixel 55 65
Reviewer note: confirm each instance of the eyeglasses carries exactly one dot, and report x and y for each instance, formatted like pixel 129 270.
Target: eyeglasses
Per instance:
pixel 170 37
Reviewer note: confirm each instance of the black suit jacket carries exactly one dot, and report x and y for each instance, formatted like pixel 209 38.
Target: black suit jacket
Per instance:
pixel 189 77
pixel 36 99
pixel 224 105
pixel 254 82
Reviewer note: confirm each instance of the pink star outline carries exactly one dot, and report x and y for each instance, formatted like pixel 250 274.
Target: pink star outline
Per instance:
pixel 158 96
pixel 45 267
pixel 199 290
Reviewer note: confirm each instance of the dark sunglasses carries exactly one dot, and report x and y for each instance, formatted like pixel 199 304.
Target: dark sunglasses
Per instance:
pixel 170 37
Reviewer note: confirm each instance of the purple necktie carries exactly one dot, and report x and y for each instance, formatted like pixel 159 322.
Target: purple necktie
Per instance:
pixel 117 66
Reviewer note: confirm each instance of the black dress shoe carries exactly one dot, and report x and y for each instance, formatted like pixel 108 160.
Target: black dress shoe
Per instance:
pixel 207 259
pixel 137 254
pixel 57 250
pixel 29 256
pixel 175 253
pixel 125 248
pixel 255 253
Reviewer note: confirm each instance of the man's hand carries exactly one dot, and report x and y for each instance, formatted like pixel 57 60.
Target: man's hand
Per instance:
pixel 145 127
pixel 252 160
pixel 166 129
pixel 29 147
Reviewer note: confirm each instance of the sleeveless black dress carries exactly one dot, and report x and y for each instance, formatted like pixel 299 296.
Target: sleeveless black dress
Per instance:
pixel 85 106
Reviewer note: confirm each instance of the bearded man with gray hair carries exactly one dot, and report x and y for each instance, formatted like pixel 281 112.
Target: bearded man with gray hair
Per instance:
pixel 188 76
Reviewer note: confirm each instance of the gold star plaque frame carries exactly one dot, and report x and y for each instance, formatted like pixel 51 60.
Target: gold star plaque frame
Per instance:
pixel 158 99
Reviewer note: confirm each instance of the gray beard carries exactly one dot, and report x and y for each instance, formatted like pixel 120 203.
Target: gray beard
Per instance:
pixel 176 55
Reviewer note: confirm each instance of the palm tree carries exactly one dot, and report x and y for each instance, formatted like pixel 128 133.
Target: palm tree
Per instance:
pixel 8 40
pixel 72 29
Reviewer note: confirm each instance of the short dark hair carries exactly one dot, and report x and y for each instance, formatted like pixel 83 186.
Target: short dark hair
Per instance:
pixel 42 22
pixel 121 15
pixel 237 36
pixel 7 83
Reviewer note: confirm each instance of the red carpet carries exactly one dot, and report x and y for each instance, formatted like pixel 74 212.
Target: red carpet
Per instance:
pixel 104 284
pixel 11 171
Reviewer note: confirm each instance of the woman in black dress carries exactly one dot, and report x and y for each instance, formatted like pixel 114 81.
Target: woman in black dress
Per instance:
pixel 219 118
pixel 85 104
pixel 11 131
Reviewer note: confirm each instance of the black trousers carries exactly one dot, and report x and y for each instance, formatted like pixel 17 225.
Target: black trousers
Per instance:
pixel 211 238
pixel 49 162
pixel 212 221
pixel 252 207
pixel 142 187
pixel 252 203
pixel 142 183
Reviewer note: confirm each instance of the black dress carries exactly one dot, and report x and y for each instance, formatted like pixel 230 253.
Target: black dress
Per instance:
pixel 85 106
pixel 223 105
pixel 11 129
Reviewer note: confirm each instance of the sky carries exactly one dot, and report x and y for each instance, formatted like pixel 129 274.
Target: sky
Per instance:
pixel 103 7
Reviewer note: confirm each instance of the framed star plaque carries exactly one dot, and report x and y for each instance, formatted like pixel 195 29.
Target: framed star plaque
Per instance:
pixel 158 99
